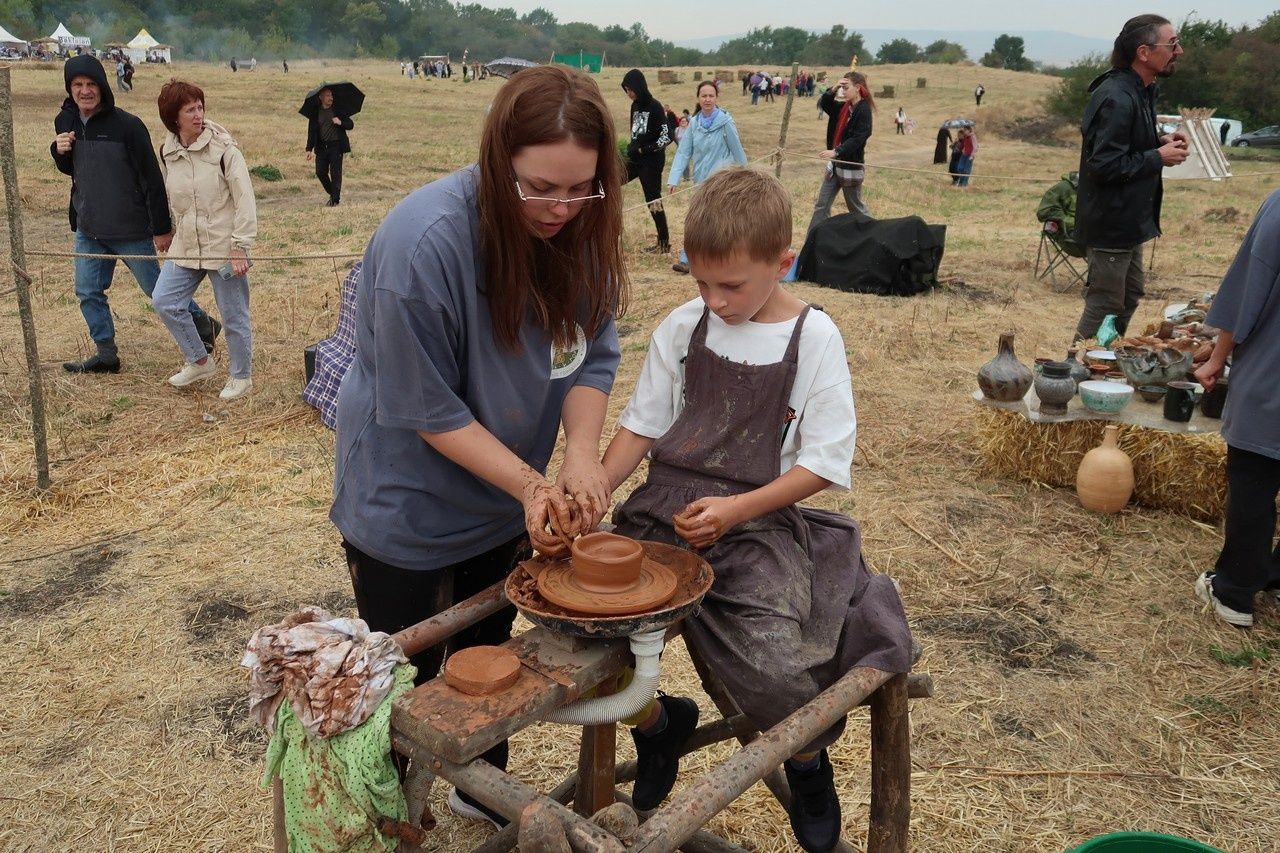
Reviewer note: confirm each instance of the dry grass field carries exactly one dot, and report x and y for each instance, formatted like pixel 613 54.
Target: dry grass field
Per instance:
pixel 1081 688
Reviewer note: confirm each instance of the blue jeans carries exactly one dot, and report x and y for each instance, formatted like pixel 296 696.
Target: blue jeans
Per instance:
pixel 173 293
pixel 965 167
pixel 755 97
pixel 93 277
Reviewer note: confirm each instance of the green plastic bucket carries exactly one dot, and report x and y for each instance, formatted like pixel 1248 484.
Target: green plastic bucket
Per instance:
pixel 1143 842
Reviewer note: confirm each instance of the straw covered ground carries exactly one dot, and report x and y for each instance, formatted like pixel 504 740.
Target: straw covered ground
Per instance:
pixel 1081 688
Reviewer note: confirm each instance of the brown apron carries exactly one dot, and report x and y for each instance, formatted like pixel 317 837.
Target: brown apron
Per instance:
pixel 793 606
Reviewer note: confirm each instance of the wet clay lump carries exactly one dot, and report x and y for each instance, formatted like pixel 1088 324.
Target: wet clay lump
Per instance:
pixel 481 669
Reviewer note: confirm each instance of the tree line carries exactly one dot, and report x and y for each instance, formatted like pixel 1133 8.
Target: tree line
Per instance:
pixel 220 29
pixel 1235 70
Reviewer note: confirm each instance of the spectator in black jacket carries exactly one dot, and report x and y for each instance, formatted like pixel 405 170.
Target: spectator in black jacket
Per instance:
pixel 118 204
pixel 647 152
pixel 327 138
pixel 1121 159
pixel 848 107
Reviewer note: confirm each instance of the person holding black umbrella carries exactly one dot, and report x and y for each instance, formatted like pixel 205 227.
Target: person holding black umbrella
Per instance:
pixel 327 140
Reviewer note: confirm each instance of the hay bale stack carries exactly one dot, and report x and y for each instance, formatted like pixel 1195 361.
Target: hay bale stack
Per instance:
pixel 667 76
pixel 697 75
pixel 1185 473
pixel 887 92
pixel 922 82
pixel 727 74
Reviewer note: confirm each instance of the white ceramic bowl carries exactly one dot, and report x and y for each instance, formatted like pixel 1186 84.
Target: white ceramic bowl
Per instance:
pixel 1105 397
pixel 1100 355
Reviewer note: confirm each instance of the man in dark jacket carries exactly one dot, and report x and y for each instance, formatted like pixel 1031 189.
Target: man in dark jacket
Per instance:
pixel 1121 160
pixel 647 152
pixel 327 138
pixel 118 204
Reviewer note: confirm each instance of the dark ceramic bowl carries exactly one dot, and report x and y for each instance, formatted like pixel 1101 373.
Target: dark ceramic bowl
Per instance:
pixel 1152 393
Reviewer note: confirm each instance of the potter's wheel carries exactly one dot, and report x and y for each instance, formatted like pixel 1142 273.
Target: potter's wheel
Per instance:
pixel 693 578
pixel 560 585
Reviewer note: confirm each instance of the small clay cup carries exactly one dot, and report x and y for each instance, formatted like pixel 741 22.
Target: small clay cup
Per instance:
pixel 1152 393
pixel 1099 371
pixel 1116 376
pixel 1180 401
pixel 606 561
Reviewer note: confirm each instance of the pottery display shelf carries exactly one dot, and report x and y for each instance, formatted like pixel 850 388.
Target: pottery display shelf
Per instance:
pixel 1138 412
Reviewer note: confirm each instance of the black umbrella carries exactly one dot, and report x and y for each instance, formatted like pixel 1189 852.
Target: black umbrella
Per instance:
pixel 347 99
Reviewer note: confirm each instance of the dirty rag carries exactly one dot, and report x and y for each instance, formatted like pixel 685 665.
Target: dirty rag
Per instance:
pixel 334 672
pixel 337 788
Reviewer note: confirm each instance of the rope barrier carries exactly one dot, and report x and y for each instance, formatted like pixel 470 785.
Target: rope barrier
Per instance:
pixel 111 257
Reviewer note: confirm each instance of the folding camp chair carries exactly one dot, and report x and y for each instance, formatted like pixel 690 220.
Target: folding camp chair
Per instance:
pixel 1055 253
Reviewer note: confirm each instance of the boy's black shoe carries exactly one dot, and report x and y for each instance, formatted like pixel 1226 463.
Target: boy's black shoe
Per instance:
pixel 658 756
pixel 208 332
pixel 815 808
pixel 92 364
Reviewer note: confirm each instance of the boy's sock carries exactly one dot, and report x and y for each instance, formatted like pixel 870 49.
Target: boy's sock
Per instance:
pixel 809 761
pixel 659 725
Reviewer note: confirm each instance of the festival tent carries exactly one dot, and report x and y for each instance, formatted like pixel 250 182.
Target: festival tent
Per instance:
pixel 1205 158
pixel 8 39
pixel 144 48
pixel 64 37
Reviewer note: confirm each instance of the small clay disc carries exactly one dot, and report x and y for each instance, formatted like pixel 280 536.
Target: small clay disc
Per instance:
pixel 482 669
pixel 558 584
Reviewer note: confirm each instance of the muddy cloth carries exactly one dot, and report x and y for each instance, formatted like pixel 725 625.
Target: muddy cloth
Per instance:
pixel 336 789
pixel 334 672
pixel 794 606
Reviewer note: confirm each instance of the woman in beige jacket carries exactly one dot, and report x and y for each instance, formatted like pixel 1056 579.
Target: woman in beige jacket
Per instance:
pixel 215 222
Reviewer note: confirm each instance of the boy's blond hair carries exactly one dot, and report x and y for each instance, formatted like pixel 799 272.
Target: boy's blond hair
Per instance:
pixel 739 210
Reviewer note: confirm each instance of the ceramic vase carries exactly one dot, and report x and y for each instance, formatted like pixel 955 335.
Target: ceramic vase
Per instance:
pixel 1055 388
pixel 1104 480
pixel 1004 378
pixel 1079 372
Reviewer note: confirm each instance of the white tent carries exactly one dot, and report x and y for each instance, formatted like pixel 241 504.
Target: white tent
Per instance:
pixel 144 48
pixel 64 37
pixel 8 39
pixel 1205 158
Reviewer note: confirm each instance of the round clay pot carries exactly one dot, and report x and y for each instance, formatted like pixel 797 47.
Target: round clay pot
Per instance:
pixel 1079 372
pixel 1004 378
pixel 1055 388
pixel 606 561
pixel 1104 480
pixel 480 670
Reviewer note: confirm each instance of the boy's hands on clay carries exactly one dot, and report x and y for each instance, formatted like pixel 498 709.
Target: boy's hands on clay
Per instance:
pixel 705 520
pixel 584 479
pixel 548 518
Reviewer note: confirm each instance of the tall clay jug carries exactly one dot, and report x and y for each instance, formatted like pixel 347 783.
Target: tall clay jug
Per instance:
pixel 1104 481
pixel 1004 378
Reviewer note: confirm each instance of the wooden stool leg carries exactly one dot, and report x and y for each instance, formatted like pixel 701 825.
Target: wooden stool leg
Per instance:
pixel 596 759
pixel 279 838
pixel 890 769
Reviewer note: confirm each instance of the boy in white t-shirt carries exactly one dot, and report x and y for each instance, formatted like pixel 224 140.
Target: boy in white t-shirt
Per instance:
pixel 745 407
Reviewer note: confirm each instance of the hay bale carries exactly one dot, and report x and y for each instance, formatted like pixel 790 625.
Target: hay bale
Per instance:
pixel 697 76
pixel 727 74
pixel 887 92
pixel 667 77
pixel 1185 473
pixel 922 82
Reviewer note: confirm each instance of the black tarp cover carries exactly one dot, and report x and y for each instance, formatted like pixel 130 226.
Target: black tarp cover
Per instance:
pixel 897 257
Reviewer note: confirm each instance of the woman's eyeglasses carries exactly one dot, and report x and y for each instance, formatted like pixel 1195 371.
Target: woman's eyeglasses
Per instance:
pixel 549 201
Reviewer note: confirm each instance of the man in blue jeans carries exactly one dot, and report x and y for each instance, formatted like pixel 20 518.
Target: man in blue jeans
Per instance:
pixel 118 204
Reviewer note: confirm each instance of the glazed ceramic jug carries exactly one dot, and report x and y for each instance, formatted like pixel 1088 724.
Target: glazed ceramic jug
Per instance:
pixel 1004 378
pixel 1055 388
pixel 1104 480
pixel 1079 372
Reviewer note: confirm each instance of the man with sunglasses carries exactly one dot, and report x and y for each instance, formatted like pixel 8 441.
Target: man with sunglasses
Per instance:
pixel 1122 156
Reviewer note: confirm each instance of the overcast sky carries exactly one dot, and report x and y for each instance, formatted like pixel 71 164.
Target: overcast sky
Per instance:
pixel 680 19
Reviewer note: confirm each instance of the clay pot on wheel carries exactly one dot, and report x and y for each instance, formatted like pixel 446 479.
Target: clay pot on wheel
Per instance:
pixel 1055 388
pixel 1004 378
pixel 1104 480
pixel 606 561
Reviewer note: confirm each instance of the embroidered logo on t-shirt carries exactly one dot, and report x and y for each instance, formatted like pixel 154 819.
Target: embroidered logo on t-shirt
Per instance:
pixel 565 362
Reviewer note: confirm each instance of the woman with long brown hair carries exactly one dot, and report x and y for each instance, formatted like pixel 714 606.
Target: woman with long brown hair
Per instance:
pixel 849 106
pixel 485 323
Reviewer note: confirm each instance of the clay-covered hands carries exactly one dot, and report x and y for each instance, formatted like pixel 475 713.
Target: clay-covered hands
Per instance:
pixel 548 518
pixel 583 478
pixel 705 520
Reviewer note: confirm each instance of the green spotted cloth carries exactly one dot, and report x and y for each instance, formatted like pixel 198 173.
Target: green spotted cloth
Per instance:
pixel 336 788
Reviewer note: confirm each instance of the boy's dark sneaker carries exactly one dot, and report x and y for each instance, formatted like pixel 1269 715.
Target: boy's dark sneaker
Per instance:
pixel 92 364
pixel 658 756
pixel 815 808
pixel 208 332
pixel 1204 589
pixel 465 805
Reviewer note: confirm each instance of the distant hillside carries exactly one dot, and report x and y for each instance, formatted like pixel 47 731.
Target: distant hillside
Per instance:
pixel 1051 47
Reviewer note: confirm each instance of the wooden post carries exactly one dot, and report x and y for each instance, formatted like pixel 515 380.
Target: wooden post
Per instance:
pixel 890 769
pixel 21 281
pixel 786 120
pixel 279 837
pixel 596 759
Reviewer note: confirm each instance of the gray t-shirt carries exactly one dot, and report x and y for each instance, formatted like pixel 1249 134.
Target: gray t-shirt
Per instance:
pixel 1248 306
pixel 426 359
